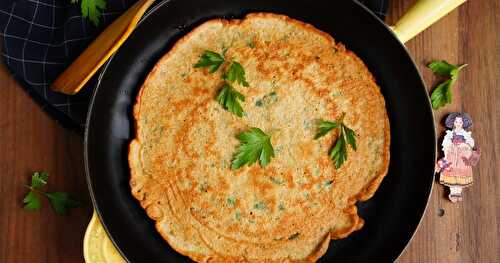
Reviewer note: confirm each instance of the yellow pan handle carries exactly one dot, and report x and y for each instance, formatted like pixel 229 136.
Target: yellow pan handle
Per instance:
pixel 421 15
pixel 97 247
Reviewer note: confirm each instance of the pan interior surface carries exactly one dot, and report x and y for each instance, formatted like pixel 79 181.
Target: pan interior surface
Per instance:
pixel 391 216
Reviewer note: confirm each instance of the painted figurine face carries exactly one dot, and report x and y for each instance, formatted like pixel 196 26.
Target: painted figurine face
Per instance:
pixel 458 123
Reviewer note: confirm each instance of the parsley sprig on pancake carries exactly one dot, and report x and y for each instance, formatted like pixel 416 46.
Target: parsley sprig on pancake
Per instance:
pixel 236 73
pixel 346 136
pixel 211 60
pixel 228 97
pixel 255 145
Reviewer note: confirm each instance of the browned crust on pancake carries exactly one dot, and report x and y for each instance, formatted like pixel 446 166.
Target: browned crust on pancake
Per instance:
pixel 351 210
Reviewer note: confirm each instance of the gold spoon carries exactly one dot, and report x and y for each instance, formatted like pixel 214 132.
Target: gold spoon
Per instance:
pixel 85 66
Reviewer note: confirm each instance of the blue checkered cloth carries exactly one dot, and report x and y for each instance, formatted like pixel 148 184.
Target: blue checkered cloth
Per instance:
pixel 42 37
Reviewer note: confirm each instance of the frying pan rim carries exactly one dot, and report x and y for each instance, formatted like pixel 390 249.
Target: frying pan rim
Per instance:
pixel 161 4
pixel 429 108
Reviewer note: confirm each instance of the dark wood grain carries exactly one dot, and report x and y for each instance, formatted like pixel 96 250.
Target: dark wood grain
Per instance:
pixel 468 231
pixel 31 141
pixel 464 232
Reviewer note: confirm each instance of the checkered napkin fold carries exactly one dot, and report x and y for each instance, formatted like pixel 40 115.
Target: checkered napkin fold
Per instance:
pixel 40 38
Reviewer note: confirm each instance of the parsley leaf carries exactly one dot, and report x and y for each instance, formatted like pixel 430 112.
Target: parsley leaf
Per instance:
pixel 31 202
pixel 442 94
pixel 61 202
pixel 325 127
pixel 236 73
pixel 229 98
pixel 339 152
pixel 39 179
pixel 255 145
pixel 346 137
pixel 210 60
pixel 92 9
pixel 350 136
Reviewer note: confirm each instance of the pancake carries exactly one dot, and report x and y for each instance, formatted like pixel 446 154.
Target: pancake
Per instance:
pixel 289 210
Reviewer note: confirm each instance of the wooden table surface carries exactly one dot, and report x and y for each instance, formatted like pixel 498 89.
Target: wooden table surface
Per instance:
pixel 464 232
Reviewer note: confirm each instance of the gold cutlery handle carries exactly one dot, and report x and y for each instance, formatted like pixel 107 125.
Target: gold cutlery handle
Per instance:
pixel 94 56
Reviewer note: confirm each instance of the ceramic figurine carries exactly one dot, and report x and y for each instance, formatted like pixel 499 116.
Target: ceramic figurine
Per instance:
pixel 460 154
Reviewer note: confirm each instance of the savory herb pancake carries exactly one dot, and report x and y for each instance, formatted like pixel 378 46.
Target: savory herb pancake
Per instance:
pixel 182 160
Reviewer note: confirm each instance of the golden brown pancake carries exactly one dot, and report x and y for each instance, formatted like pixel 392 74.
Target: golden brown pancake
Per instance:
pixel 185 141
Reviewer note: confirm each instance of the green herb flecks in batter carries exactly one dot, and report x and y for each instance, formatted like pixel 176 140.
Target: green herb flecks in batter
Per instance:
pixel 210 60
pixel 230 99
pixel 237 215
pixel 294 236
pixel 203 187
pixel 236 73
pixel 346 136
pixel 231 201
pixel 276 180
pixel 267 99
pixel 260 206
pixel 442 95
pixel 255 145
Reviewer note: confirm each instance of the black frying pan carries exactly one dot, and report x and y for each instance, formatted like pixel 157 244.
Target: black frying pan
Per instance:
pixel 392 215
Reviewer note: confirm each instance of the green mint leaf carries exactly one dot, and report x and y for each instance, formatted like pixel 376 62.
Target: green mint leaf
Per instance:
pixel 230 99
pixel 454 72
pixel 39 179
pixel 325 127
pixel 32 202
pixel 61 202
pixel 441 95
pixel 236 73
pixel 92 9
pixel 255 145
pixel 210 60
pixel 441 68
